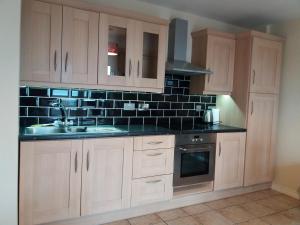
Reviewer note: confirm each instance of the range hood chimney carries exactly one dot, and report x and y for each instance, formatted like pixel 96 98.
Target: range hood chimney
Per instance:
pixel 177 48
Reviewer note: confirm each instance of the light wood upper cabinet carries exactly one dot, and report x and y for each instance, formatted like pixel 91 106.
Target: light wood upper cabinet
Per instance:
pixel 151 42
pixel 215 51
pixel 262 117
pixel 79 46
pixel 50 181
pixel 229 170
pixel 41 42
pixel 266 66
pixel 106 175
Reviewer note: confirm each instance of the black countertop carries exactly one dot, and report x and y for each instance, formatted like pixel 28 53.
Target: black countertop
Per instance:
pixel 134 130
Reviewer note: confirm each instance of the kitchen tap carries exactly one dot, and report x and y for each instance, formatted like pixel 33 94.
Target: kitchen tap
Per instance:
pixel 64 115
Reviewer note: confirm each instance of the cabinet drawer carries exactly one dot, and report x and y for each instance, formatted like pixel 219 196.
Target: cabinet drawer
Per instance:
pixel 151 189
pixel 153 142
pixel 153 162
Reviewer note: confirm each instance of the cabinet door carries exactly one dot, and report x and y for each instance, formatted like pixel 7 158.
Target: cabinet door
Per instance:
pixel 50 181
pixel 116 45
pixel 151 55
pixel 220 60
pixel 230 158
pixel 79 46
pixel 41 42
pixel 106 175
pixel 266 65
pixel 262 117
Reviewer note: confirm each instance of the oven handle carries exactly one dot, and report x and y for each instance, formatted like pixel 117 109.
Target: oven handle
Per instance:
pixel 195 149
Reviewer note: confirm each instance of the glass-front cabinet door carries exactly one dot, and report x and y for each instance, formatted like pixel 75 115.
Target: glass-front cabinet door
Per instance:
pixel 151 55
pixel 116 48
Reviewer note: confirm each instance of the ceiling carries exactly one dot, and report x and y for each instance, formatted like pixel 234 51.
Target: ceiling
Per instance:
pixel 247 13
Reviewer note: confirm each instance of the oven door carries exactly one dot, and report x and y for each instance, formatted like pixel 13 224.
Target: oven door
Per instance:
pixel 194 164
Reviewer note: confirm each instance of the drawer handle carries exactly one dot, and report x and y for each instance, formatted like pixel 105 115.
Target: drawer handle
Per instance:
pixel 153 181
pixel 155 142
pixel 155 154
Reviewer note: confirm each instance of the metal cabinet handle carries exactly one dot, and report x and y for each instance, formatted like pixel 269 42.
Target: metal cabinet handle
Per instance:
pixel 254 74
pixel 55 62
pixel 66 61
pixel 153 181
pixel 182 149
pixel 252 107
pixel 208 77
pixel 155 142
pixel 138 68
pixel 76 162
pixel 88 161
pixel 155 154
pixel 220 149
pixel 130 67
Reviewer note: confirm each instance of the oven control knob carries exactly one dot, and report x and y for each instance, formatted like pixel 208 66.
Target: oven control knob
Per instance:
pixel 201 139
pixel 193 140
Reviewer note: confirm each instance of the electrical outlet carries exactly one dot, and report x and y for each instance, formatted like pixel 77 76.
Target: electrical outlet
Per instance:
pixel 198 108
pixel 129 106
pixel 143 107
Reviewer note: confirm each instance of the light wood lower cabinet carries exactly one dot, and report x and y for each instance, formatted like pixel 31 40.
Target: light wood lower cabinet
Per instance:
pixel 151 189
pixel 106 175
pixel 230 156
pixel 261 131
pixel 50 181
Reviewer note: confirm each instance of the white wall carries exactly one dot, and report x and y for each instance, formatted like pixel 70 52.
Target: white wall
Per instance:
pixel 287 173
pixel 195 22
pixel 9 91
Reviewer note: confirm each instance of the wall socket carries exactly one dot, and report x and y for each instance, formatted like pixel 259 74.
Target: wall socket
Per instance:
pixel 143 107
pixel 198 108
pixel 129 106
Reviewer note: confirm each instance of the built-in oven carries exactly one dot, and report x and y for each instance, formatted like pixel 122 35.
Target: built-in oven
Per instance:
pixel 194 161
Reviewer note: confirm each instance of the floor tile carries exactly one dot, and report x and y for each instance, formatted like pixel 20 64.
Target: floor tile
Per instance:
pixel 288 200
pixel 172 214
pixel 121 222
pixel 278 219
pixel 271 192
pixel 219 204
pixel 258 195
pixel 236 214
pixel 212 218
pixel 274 204
pixel 237 200
pixel 151 219
pixel 196 209
pixel 256 209
pixel 293 214
pixel 254 222
pixel 183 221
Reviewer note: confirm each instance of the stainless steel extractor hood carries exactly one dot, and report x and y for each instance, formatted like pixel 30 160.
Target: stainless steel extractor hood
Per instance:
pixel 177 47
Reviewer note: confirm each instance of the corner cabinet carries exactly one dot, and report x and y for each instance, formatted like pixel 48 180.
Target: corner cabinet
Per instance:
pixel 65 46
pixel 215 51
pixel 230 156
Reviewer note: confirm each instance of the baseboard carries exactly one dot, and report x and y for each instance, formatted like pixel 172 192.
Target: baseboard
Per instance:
pixel 176 202
pixel 285 190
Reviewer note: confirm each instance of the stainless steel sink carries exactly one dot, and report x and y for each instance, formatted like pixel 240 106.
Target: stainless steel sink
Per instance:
pixel 48 130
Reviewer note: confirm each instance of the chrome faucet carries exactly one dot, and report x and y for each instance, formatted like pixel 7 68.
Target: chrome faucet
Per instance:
pixel 64 115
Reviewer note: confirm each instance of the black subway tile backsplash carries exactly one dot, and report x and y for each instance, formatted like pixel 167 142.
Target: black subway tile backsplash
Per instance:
pixel 174 109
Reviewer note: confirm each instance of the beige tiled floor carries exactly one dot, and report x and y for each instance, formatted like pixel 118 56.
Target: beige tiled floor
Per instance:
pixel 257 208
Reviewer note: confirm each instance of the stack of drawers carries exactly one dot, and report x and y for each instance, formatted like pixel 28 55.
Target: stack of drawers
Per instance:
pixel 152 178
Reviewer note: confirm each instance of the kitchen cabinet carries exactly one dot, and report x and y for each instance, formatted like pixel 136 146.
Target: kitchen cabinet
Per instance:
pixel 59 44
pixel 131 53
pixel 261 132
pixel 41 42
pixel 79 46
pixel 50 181
pixel 266 66
pixel 106 175
pixel 116 50
pixel 215 51
pixel 230 156
pixel 151 43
